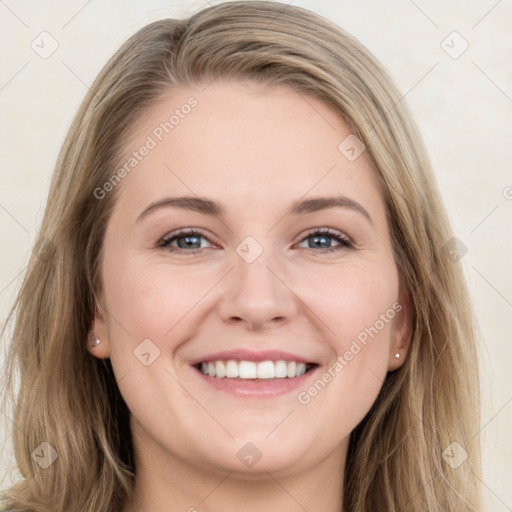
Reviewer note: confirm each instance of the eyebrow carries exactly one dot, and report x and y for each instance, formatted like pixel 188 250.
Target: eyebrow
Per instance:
pixel 213 209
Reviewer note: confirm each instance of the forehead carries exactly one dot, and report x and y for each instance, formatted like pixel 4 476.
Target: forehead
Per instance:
pixel 239 137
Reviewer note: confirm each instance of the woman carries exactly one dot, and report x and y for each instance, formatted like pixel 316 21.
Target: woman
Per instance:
pixel 241 293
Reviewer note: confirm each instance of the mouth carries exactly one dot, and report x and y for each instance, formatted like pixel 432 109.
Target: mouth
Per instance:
pixel 246 373
pixel 254 370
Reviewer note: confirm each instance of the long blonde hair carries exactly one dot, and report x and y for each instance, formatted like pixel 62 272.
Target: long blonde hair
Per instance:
pixel 63 396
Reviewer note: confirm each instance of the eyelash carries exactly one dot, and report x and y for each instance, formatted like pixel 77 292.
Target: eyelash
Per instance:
pixel 344 242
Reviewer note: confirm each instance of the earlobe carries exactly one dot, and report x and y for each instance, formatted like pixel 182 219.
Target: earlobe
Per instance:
pixel 395 363
pixel 97 339
pixel 96 347
pixel 402 332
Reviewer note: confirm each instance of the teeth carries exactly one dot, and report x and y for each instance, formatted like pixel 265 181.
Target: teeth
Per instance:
pixel 301 369
pixel 231 370
pixel 281 369
pixel 266 370
pixel 250 370
pixel 220 369
pixel 247 370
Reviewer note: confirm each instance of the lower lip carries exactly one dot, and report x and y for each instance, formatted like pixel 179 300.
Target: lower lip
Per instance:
pixel 257 388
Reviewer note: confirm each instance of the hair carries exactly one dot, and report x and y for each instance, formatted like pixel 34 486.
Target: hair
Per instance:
pixel 61 395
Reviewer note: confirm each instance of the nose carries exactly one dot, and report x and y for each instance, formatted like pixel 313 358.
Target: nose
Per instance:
pixel 257 295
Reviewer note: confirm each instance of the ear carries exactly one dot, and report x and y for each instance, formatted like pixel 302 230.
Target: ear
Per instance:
pixel 401 334
pixel 99 329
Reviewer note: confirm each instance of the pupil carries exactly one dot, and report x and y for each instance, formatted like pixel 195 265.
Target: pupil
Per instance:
pixel 322 237
pixel 189 241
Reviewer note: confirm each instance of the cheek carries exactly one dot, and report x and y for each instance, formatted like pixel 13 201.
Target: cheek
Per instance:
pixel 352 300
pixel 152 308
pixel 358 306
pixel 149 299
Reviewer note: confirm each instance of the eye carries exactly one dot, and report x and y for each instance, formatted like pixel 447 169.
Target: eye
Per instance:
pixel 188 241
pixel 320 239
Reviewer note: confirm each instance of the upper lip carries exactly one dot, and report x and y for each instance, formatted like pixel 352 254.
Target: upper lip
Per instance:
pixel 251 355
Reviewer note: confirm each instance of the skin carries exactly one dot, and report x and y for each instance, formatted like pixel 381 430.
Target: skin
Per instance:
pixel 254 151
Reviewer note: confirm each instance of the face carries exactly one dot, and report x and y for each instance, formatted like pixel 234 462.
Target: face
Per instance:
pixel 245 242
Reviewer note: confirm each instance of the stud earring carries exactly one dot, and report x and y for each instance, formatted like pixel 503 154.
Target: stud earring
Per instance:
pixel 95 341
pixel 397 355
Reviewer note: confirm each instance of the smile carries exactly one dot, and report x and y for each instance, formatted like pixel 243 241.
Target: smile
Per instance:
pixel 233 369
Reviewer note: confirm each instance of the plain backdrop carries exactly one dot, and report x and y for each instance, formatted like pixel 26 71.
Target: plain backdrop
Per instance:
pixel 451 61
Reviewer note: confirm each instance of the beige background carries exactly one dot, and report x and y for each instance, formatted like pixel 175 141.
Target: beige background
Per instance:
pixel 463 106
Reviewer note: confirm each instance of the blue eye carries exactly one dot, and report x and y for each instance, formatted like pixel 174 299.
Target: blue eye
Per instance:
pixel 321 238
pixel 186 239
pixel 189 241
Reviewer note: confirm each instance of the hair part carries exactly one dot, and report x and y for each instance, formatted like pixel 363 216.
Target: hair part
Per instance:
pixel 71 400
